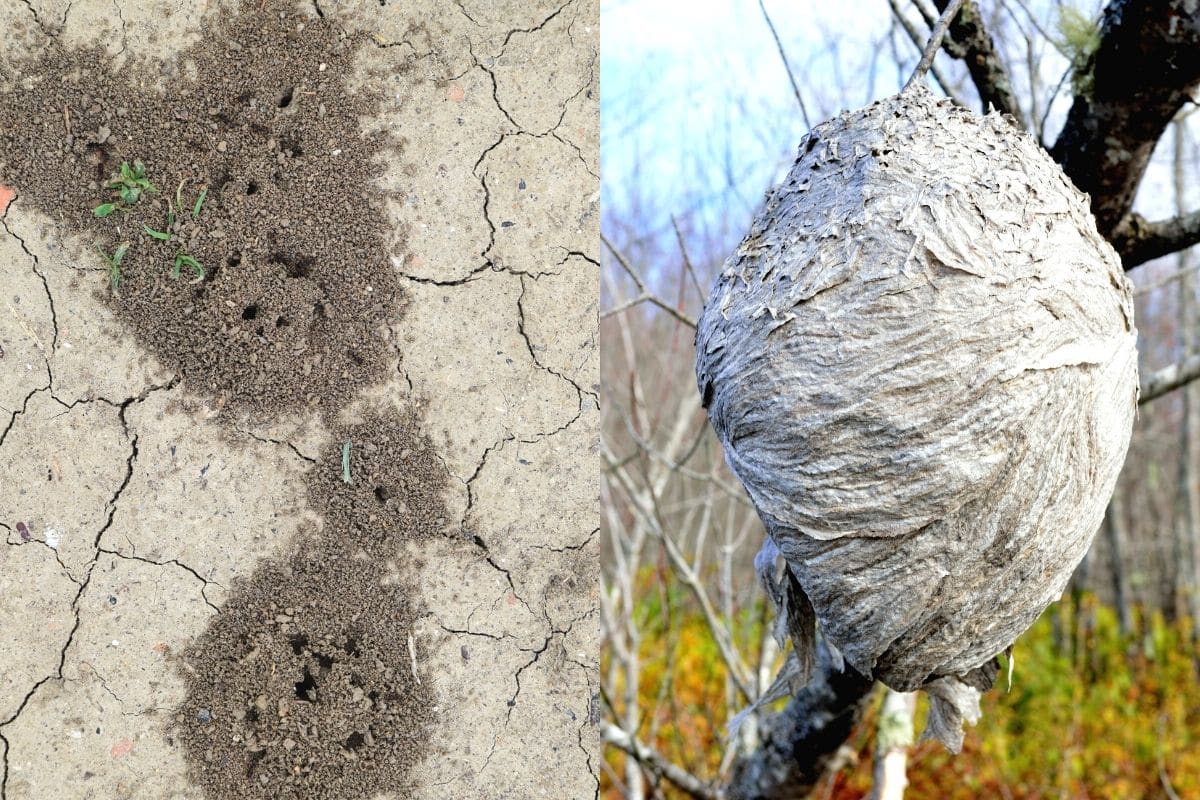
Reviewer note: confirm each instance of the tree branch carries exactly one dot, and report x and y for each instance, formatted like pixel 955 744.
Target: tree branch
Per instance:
pixel 800 743
pixel 1144 69
pixel 915 37
pixel 787 66
pixel 1139 240
pixel 937 35
pixel 644 294
pixel 656 762
pixel 970 42
pixel 1169 378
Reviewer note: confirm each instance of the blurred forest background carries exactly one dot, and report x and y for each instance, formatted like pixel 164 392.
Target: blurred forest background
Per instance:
pixel 700 117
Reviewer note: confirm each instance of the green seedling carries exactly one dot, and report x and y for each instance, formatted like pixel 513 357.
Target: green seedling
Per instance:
pixel 199 202
pixel 346 461
pixel 160 235
pixel 182 260
pixel 129 185
pixel 114 263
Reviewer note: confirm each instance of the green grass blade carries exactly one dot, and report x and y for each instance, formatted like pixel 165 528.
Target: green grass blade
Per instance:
pixel 119 256
pixel 346 461
pixel 199 202
pixel 160 235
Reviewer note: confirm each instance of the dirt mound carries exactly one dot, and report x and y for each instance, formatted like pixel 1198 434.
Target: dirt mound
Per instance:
pixel 304 686
pixel 254 259
pixel 236 207
pixel 384 483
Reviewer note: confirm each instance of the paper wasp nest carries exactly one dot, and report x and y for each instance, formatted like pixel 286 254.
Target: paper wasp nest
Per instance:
pixel 921 364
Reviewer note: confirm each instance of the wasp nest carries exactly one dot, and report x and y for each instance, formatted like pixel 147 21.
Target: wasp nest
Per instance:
pixel 921 364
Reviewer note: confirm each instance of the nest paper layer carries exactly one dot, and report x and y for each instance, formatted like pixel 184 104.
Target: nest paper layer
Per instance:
pixel 921 364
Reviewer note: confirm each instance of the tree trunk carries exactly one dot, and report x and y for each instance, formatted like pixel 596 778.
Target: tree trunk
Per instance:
pixel 1190 457
pixel 1117 536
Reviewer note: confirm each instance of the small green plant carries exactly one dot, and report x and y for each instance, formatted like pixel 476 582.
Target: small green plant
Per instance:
pixel 182 260
pixel 160 235
pixel 114 263
pixel 199 203
pixel 130 185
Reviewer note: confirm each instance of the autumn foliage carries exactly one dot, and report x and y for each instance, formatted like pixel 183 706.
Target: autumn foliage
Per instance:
pixel 1093 713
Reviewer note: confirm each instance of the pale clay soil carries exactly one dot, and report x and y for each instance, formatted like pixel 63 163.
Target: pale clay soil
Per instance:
pixel 141 500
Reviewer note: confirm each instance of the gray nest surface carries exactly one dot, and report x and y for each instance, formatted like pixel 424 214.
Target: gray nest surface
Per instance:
pixel 921 362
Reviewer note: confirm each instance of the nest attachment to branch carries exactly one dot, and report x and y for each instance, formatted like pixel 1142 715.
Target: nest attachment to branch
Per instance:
pixel 921 364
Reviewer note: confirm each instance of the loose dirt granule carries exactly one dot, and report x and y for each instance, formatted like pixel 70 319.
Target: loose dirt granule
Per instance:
pixel 396 489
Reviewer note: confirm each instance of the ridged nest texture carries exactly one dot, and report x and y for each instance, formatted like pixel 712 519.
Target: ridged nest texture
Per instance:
pixel 921 362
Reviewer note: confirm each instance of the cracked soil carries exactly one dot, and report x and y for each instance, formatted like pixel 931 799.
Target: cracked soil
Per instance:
pixel 352 554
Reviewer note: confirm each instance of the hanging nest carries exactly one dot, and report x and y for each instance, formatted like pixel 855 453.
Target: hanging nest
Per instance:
pixel 921 364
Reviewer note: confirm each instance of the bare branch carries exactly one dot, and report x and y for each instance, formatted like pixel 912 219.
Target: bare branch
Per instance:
pixel 687 261
pixel 786 65
pixel 656 762
pixel 1139 240
pixel 915 37
pixel 802 741
pixel 644 503
pixel 644 294
pixel 1167 280
pixel 935 41
pixel 1169 378
pixel 969 41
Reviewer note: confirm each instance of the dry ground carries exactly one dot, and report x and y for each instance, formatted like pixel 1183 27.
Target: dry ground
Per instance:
pixel 140 500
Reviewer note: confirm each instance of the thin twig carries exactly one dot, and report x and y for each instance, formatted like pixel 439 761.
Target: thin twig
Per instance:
pixel 654 761
pixel 786 65
pixel 687 262
pixel 935 42
pixel 915 37
pixel 1054 42
pixel 644 294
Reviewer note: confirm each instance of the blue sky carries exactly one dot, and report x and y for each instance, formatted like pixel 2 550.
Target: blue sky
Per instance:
pixel 699 119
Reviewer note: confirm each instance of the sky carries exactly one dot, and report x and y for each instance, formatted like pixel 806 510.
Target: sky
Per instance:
pixel 698 117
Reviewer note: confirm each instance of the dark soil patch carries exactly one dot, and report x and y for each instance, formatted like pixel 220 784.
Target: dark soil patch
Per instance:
pixel 303 685
pixel 396 488
pixel 297 279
